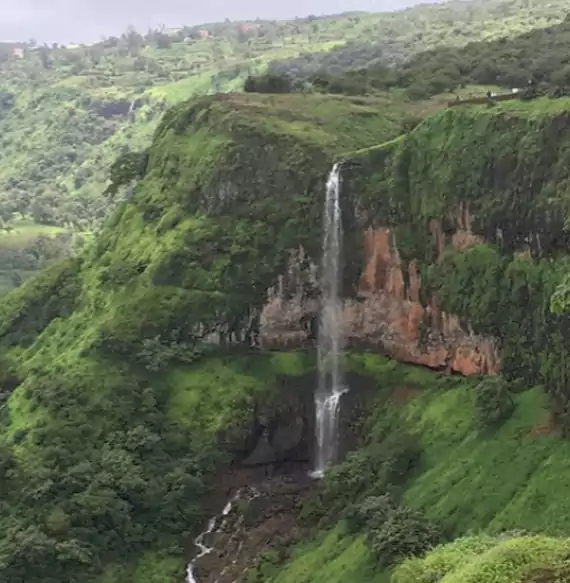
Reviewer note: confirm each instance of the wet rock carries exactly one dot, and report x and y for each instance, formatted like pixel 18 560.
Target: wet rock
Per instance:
pixel 264 453
pixel 288 434
pixel 264 516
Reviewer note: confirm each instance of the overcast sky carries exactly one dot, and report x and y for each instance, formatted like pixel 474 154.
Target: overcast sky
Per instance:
pixel 88 20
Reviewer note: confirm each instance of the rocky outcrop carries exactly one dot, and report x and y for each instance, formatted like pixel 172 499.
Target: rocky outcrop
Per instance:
pixel 386 314
pixel 263 520
pixel 280 435
pixel 288 316
pixel 279 427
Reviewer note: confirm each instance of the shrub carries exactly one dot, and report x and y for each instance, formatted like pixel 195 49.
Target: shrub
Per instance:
pixel 404 533
pixel 483 559
pixel 375 470
pixel 409 123
pixel 442 560
pixel 494 403
pixel 371 513
pixel 265 566
pixel 155 353
pixel 268 84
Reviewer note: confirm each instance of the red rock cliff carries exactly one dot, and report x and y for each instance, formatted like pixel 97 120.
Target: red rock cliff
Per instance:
pixel 386 315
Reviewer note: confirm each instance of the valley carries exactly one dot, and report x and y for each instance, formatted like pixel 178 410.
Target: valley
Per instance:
pixel 272 327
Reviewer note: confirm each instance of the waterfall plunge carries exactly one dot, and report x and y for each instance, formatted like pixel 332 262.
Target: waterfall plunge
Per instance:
pixel 331 383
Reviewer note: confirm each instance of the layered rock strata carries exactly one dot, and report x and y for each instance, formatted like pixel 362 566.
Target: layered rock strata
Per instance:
pixel 386 314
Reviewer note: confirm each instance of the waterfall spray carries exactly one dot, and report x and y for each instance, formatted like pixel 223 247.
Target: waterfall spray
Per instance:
pixel 331 383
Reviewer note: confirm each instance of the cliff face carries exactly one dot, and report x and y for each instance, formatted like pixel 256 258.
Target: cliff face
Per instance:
pixel 123 363
pixel 456 238
pixel 117 417
pixel 386 315
pixel 389 313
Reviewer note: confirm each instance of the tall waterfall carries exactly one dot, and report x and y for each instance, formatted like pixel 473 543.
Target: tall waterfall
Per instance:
pixel 331 383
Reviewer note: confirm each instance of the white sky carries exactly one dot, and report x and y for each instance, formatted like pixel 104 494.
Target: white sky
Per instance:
pixel 88 20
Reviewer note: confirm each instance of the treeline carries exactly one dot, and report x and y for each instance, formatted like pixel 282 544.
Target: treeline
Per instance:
pixel 400 35
pixel 540 58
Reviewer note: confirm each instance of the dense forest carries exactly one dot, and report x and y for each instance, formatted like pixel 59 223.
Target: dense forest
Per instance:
pixel 537 59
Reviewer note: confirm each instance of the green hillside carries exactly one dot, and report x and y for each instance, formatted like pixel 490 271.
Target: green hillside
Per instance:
pixel 120 413
pixel 493 455
pixel 133 384
pixel 400 35
pixel 506 479
pixel 110 438
pixel 66 113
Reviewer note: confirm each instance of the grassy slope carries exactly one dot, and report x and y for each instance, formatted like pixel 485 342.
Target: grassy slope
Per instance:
pixel 514 478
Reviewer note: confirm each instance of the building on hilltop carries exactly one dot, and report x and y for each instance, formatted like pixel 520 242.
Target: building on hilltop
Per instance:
pixel 249 26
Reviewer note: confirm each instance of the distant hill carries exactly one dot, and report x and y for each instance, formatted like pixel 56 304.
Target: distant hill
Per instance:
pixel 399 35
pixel 533 63
pixel 67 112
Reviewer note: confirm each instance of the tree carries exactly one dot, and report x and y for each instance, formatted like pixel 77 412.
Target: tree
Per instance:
pixel 128 167
pixel 268 84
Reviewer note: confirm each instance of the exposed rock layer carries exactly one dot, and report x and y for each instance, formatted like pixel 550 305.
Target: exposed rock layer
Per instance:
pixel 264 519
pixel 386 314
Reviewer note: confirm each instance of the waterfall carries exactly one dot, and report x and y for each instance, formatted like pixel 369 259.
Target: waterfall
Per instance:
pixel 331 383
pixel 250 494
pixel 199 541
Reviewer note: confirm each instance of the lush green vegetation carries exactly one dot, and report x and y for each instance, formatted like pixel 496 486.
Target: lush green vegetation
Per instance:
pixel 537 56
pixel 114 422
pixel 509 187
pixel 483 559
pixel 67 112
pixel 449 455
pixel 395 38
pixel 117 407
pixel 464 478
pixel 533 63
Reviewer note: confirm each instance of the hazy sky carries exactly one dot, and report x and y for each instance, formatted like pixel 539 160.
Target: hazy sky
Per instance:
pixel 88 20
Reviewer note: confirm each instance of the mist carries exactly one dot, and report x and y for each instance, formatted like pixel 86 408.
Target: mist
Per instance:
pixel 89 20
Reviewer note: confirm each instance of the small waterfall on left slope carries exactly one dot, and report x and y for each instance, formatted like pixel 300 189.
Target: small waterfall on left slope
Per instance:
pixel 251 494
pixel 331 382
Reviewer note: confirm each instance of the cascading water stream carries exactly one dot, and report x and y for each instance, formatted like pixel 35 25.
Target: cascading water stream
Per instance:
pixel 199 542
pixel 204 550
pixel 331 382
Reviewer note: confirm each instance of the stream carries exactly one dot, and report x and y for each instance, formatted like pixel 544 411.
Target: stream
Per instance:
pixel 215 525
